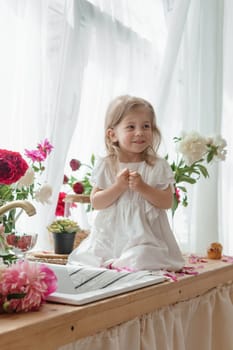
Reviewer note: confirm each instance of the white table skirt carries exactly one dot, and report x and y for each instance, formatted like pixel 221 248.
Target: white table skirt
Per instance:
pixel 202 323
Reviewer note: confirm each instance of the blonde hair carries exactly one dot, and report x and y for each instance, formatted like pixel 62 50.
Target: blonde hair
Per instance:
pixel 117 110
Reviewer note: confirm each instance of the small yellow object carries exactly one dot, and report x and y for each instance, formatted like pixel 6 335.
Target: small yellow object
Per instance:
pixel 214 251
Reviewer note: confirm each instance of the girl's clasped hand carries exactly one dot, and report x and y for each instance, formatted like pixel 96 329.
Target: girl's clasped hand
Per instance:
pixel 130 179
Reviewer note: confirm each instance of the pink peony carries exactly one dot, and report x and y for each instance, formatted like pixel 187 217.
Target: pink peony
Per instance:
pixel 49 278
pixel 24 286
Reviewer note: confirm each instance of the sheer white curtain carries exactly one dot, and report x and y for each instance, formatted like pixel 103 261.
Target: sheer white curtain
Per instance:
pixel 226 185
pixel 187 93
pixel 40 86
pixel 67 53
pixel 63 61
pixel 191 99
pixel 23 73
pixel 118 61
pixel 25 104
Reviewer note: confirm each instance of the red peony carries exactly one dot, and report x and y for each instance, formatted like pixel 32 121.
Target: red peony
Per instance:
pixel 78 187
pixel 12 167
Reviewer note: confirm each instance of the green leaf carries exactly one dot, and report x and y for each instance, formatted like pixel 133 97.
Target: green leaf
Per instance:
pixel 203 170
pixel 174 204
pixel 210 156
pixel 177 139
pixel 188 179
pixel 35 168
pixel 92 159
pixel 9 258
pixel 173 167
pixel 185 201
pixel 16 296
pixel 182 188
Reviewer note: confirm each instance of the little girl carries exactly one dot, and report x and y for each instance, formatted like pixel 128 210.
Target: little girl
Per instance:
pixel 132 188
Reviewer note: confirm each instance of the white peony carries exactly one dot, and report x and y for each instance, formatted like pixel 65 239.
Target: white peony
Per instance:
pixel 220 144
pixel 193 147
pixel 27 179
pixel 43 194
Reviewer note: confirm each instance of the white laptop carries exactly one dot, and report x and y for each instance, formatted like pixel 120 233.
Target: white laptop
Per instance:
pixel 78 285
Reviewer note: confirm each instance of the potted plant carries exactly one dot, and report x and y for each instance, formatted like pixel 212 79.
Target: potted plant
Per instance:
pixel 63 231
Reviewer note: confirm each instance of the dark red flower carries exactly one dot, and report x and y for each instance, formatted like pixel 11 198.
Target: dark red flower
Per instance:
pixel 75 164
pixel 78 187
pixel 65 179
pixel 12 167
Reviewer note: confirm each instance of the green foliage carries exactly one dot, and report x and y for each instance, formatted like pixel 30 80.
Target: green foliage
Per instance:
pixel 9 193
pixel 9 258
pixel 184 173
pixel 85 179
pixel 63 226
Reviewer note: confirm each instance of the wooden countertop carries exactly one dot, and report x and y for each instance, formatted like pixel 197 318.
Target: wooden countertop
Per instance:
pixel 55 325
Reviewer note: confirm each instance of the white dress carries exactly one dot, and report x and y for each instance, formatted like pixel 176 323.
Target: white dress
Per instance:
pixel 131 232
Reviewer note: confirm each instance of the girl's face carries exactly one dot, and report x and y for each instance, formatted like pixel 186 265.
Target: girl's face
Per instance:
pixel 133 134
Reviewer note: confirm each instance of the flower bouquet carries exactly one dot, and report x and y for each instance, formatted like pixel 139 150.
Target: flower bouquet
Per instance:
pixel 18 180
pixel 73 184
pixel 194 154
pixel 24 286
